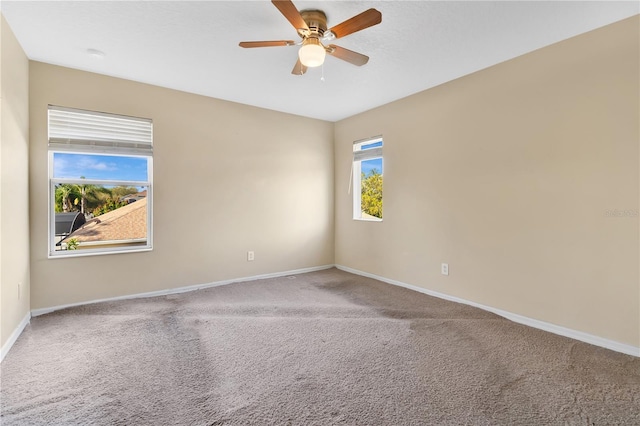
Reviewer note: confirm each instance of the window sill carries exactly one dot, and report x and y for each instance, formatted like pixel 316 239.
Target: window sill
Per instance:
pixel 359 219
pixel 87 252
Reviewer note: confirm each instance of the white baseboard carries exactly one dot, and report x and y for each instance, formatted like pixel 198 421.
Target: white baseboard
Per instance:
pixel 541 325
pixel 14 336
pixel 42 311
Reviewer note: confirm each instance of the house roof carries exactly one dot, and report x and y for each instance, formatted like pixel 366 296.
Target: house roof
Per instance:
pixel 126 223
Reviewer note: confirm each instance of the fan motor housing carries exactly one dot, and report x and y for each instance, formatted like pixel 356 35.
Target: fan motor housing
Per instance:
pixel 316 21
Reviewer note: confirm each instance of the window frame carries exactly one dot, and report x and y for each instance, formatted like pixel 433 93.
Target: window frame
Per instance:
pixel 116 149
pixel 356 173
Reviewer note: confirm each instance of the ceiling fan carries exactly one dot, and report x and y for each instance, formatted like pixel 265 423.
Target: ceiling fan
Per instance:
pixel 311 26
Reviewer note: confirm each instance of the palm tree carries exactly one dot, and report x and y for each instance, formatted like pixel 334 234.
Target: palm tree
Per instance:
pixel 64 194
pixel 89 191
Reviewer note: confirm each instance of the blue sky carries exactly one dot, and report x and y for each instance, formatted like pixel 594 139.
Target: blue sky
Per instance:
pixel 369 165
pixel 102 167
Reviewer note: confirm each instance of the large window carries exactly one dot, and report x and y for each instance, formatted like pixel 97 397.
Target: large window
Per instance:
pixel 367 179
pixel 100 174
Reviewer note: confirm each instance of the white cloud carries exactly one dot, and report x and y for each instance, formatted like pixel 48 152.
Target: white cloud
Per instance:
pixel 90 163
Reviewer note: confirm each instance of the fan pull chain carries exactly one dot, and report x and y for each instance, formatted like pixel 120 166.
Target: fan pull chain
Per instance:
pixel 322 77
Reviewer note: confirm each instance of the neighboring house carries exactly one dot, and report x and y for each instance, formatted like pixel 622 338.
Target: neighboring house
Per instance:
pixel 126 225
pixel 134 197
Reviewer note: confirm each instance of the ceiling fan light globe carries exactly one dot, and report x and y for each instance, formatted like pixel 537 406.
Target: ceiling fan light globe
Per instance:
pixel 312 53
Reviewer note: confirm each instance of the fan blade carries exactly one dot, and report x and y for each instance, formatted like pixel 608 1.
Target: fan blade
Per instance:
pixel 267 43
pixel 366 19
pixel 298 69
pixel 290 12
pixel 350 56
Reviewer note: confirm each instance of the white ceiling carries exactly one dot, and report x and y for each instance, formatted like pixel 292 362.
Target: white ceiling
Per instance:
pixel 193 45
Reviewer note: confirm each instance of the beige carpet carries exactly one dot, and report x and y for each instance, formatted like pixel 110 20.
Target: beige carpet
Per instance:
pixel 322 348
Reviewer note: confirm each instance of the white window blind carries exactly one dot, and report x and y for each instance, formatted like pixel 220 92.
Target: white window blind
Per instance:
pixel 367 154
pixel 74 129
pixel 360 154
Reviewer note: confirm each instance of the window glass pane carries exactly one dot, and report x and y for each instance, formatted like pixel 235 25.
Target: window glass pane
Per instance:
pixel 367 179
pixel 100 182
pixel 100 167
pixel 371 188
pixel 100 216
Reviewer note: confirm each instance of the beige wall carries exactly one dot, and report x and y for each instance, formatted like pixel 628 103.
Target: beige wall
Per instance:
pixel 14 182
pixel 228 178
pixel 507 175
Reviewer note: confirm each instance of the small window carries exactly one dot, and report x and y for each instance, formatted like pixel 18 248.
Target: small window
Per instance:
pixel 367 179
pixel 100 191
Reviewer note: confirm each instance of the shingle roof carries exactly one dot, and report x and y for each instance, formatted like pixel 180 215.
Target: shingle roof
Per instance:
pixel 126 223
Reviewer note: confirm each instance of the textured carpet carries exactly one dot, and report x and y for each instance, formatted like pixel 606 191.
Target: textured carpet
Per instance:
pixel 321 348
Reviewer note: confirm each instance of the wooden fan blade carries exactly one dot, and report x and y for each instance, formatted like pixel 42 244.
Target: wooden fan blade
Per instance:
pixel 350 56
pixel 366 19
pixel 290 12
pixel 267 43
pixel 298 69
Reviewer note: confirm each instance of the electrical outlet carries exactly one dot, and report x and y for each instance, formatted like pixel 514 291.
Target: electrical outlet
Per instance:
pixel 444 269
pixel 250 256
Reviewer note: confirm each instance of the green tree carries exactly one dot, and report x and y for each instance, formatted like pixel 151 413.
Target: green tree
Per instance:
pixel 372 193
pixel 86 197
pixel 90 193
pixel 112 199
pixel 108 205
pixel 65 194
pixel 118 192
